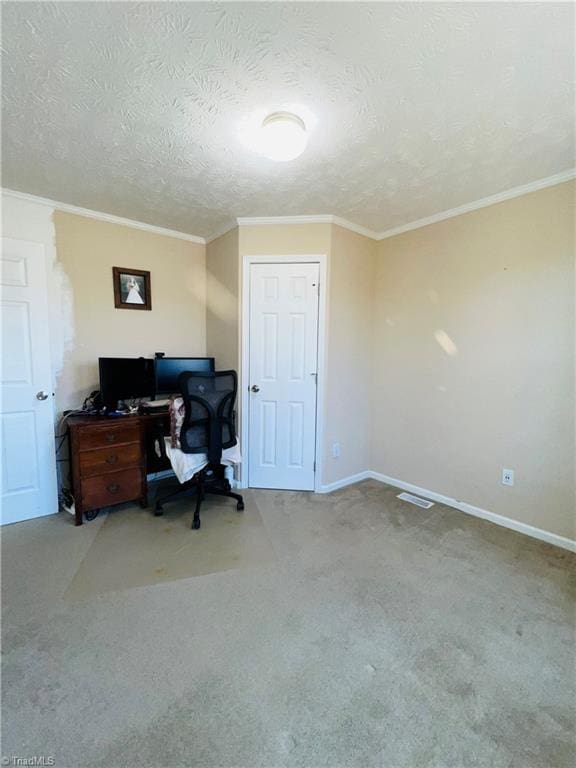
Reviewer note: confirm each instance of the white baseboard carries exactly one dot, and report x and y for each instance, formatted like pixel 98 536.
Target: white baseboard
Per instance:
pixel 350 480
pixel 470 509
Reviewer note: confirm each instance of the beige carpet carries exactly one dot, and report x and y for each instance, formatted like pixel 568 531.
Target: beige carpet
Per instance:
pixel 343 631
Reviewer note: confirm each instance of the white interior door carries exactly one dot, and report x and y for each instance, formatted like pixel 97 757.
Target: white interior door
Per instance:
pixel 28 478
pixel 283 339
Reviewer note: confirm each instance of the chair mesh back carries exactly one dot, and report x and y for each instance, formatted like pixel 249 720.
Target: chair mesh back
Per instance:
pixel 208 425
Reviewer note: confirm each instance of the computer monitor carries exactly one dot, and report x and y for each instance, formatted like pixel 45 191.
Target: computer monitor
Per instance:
pixel 168 370
pixel 125 378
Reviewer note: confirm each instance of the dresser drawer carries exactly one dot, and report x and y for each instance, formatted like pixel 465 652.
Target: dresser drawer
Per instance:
pixel 100 460
pixel 106 435
pixel 111 488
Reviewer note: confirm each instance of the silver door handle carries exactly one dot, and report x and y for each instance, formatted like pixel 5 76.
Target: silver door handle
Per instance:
pixel 41 395
pixel 255 388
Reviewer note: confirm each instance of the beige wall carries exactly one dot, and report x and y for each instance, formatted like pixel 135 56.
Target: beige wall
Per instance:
pixel 288 239
pixel 222 300
pixel 474 358
pixel 349 354
pixel 87 250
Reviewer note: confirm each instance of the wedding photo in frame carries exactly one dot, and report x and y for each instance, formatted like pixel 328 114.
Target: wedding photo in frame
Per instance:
pixel 131 288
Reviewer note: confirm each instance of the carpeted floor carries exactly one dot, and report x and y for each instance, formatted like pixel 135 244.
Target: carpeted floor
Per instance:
pixel 354 630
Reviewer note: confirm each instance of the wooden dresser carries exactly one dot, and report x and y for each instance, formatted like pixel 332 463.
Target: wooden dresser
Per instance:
pixel 108 462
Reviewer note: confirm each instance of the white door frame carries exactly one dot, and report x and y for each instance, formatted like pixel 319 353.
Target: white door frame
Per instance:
pixel 247 261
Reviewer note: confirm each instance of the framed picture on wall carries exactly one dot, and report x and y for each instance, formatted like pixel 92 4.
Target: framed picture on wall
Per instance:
pixel 131 288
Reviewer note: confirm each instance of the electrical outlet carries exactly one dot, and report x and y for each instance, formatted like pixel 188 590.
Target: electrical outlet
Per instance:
pixel 335 450
pixel 507 477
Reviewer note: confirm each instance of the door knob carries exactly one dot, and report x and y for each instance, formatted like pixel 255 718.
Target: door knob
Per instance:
pixel 255 388
pixel 41 395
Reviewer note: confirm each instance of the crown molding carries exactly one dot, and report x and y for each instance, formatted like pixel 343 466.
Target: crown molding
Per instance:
pixel 221 232
pixel 108 217
pixel 500 197
pixel 258 221
pixel 327 218
pixel 358 228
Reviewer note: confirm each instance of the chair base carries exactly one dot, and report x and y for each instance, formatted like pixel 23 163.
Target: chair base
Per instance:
pixel 208 480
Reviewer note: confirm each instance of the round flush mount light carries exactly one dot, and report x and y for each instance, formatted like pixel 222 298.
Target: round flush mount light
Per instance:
pixel 283 136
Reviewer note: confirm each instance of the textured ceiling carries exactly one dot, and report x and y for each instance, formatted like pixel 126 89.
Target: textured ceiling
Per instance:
pixel 135 108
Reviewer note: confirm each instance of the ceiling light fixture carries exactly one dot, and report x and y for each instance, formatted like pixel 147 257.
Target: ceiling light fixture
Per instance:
pixel 283 136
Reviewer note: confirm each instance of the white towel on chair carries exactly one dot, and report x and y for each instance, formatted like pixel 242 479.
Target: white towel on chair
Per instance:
pixel 185 465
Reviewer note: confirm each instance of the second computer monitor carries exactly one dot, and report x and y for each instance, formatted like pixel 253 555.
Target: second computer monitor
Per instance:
pixel 168 370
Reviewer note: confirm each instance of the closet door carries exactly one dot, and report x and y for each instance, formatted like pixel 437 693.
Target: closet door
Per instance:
pixel 283 339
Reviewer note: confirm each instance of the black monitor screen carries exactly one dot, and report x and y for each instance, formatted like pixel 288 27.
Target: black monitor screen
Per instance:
pixel 168 369
pixel 125 378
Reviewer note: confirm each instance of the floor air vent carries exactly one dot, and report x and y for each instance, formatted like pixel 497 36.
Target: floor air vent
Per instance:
pixel 424 503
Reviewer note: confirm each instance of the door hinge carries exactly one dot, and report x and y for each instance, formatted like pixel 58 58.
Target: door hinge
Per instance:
pixel 314 466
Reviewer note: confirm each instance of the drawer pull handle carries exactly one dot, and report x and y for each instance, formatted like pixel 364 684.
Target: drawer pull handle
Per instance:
pixel 112 459
pixel 110 437
pixel 113 487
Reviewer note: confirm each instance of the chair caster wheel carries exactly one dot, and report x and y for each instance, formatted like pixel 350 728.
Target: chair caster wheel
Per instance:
pixel 240 506
pixel 158 511
pixel 195 525
pixel 92 514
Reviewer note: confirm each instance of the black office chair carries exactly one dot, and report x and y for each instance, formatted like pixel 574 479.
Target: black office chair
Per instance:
pixel 208 427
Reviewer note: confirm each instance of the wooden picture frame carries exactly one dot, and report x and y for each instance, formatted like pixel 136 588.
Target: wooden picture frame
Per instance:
pixel 131 288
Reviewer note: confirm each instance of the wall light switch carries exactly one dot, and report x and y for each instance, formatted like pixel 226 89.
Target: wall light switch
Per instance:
pixel 335 450
pixel 507 477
